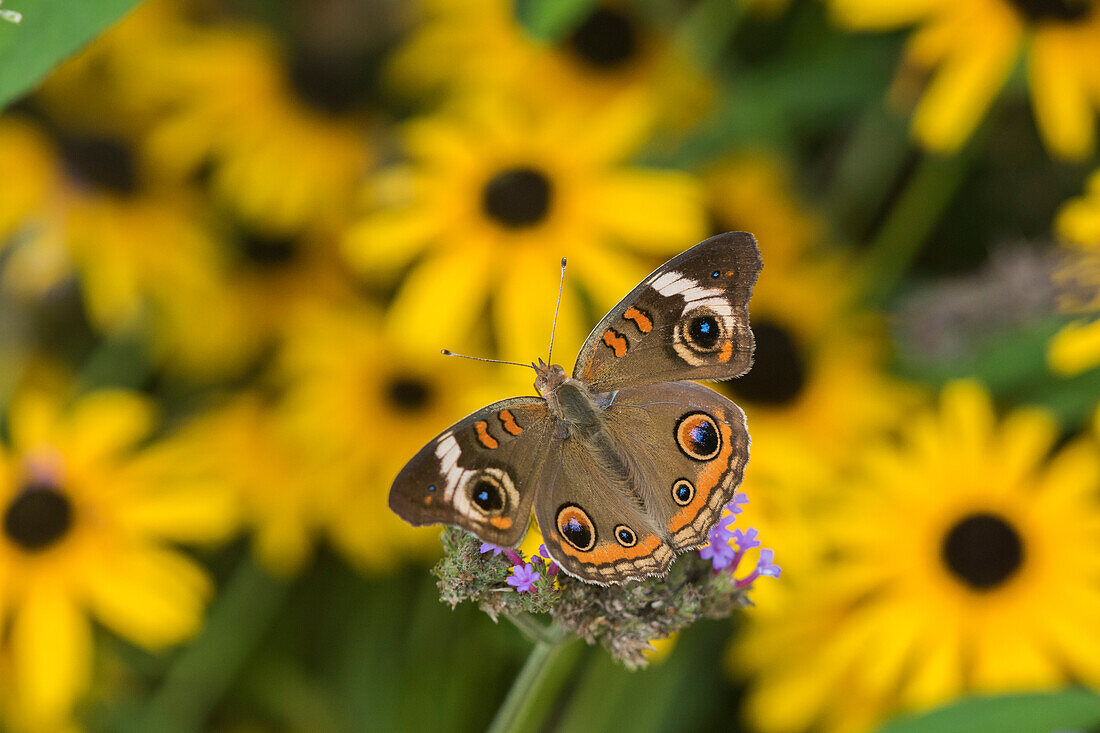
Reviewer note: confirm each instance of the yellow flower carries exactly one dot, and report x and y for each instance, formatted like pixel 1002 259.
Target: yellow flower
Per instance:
pixel 1078 221
pixel 1076 348
pixel 614 49
pixel 361 405
pixel 1059 37
pixel 491 200
pixel 229 109
pixel 246 445
pixel 88 519
pixel 27 174
pixel 963 558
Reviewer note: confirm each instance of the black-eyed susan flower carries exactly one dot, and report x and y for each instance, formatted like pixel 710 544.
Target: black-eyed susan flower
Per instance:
pixel 259 461
pixel 27 174
pixel 1059 38
pixel 90 510
pixel 230 112
pixel 613 49
pixel 494 196
pixel 963 558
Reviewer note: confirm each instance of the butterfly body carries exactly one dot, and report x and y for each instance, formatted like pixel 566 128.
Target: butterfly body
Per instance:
pixel 624 462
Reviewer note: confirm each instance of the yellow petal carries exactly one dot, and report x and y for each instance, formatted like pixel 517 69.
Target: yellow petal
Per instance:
pixel 876 15
pixel 967 416
pixel 151 596
pixel 51 645
pixel 384 242
pixel 441 300
pixel 32 420
pixel 106 422
pixel 523 309
pixel 654 211
pixel 1062 107
pixel 202 512
pixel 1026 437
pixel 1075 348
pixel 965 85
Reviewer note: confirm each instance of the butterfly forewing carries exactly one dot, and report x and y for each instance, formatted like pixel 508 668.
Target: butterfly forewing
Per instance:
pixel 481 473
pixel 688 320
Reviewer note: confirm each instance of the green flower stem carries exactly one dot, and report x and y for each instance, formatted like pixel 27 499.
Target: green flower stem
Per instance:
pixel 912 219
pixel 539 683
pixel 206 669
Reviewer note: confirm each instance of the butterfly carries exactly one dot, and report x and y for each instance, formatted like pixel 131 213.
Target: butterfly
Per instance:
pixel 625 463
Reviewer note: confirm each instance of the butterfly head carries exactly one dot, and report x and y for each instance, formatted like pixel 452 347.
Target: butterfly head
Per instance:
pixel 548 377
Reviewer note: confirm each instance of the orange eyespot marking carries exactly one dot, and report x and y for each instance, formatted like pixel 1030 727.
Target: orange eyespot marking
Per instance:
pixel 610 551
pixel 576 528
pixel 483 436
pixel 698 436
pixel 705 483
pixel 427 500
pixel 615 341
pixel 501 522
pixel 641 320
pixel 726 352
pixel 508 420
pixel 729 273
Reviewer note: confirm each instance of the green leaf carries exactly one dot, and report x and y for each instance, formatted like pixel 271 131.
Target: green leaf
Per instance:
pixel 1029 713
pixel 551 20
pixel 51 31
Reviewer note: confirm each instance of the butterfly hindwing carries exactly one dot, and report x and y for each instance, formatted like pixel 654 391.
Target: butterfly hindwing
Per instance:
pixel 591 527
pixel 481 473
pixel 680 451
pixel 687 320
pixel 688 446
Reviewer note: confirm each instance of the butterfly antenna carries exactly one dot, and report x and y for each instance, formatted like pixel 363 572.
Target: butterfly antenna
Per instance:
pixel 557 305
pixel 448 352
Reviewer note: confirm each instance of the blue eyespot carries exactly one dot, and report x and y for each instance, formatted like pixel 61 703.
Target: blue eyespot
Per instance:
pixel 683 492
pixel 714 274
pixel 431 488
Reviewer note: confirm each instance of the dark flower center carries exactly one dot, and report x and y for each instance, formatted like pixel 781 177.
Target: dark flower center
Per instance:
pixel 517 197
pixel 37 517
pixel 1065 10
pixel 105 162
pixel 983 550
pixel 410 394
pixel 778 372
pixel 332 84
pixel 268 251
pixel 605 40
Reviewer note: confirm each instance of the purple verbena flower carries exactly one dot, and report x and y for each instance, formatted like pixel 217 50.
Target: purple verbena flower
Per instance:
pixel 720 554
pixel 745 540
pixel 739 498
pixel 551 567
pixel 720 533
pixel 766 566
pixel 490 547
pixel 523 577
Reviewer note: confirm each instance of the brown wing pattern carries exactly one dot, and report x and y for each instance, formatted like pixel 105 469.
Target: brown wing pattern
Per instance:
pixel 688 320
pixel 481 473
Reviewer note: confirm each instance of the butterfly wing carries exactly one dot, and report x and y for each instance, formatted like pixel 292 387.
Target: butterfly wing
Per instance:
pixel 683 447
pixel 688 320
pixel 480 474
pixel 688 446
